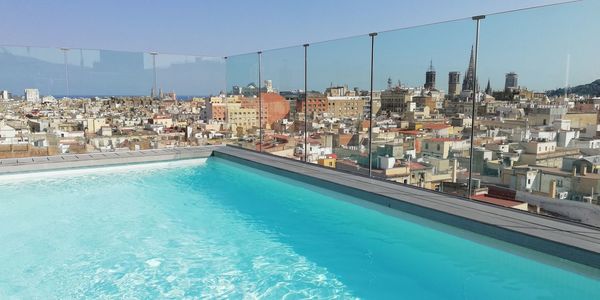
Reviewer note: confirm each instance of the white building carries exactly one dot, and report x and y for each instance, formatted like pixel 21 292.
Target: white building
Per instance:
pixel 7 134
pixel 543 135
pixel 591 131
pixel 386 162
pixel 564 138
pixel 7 131
pixel 4 95
pixel 32 95
pixel 585 143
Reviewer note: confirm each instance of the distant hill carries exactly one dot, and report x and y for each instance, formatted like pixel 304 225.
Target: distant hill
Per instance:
pixel 592 89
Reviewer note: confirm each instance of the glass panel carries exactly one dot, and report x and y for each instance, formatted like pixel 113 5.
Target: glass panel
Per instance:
pixel 79 101
pixel 283 86
pixel 38 69
pixel 338 89
pixel 109 73
pixel 424 89
pixel 185 77
pixel 537 143
pixel 237 115
pixel 184 84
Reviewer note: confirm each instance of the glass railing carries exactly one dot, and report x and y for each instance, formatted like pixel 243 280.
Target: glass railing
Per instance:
pixel 239 111
pixel 69 100
pixel 474 107
pixel 282 71
pixel 338 89
pixel 424 79
pixel 536 141
pixel 501 109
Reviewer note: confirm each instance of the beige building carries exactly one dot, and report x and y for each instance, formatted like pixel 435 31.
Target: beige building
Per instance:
pixel 165 121
pixel 421 113
pixel 345 107
pixel 240 120
pixel 519 178
pixel 440 147
pixel 93 125
pixel 553 182
pixel 582 119
pixel 396 100
pixel 540 147
pixel 545 154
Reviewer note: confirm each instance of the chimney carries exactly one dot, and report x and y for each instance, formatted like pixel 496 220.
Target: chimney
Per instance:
pixel 583 170
pixel 552 191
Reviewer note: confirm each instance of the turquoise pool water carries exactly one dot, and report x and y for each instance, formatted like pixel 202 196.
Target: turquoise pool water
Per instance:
pixel 216 229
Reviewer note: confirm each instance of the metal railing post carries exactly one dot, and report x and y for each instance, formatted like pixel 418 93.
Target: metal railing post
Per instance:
pixel 477 19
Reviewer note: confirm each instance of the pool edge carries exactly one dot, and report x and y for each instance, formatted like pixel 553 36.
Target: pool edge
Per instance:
pixel 101 159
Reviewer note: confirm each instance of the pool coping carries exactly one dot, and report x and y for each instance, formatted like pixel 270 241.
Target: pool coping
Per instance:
pixel 564 239
pixel 99 159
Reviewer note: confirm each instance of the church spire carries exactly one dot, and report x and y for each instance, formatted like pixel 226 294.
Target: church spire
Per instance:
pixel 470 74
pixel 488 89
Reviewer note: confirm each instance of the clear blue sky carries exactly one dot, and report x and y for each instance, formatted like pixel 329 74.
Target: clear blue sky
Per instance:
pixel 220 27
pixel 534 43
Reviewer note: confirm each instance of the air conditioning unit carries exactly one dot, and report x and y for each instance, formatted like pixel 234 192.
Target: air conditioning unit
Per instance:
pixel 563 195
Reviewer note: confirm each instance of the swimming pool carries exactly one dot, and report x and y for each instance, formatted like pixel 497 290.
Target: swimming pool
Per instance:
pixel 214 228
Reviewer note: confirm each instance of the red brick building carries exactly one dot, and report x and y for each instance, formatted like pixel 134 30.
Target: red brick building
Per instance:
pixel 274 108
pixel 317 105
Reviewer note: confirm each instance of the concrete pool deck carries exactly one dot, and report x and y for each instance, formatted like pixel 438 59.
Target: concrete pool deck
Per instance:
pixel 568 240
pixel 68 161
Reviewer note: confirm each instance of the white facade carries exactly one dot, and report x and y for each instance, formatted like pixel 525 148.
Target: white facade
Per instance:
pixel 544 135
pixel 585 143
pixel 7 131
pixel 32 95
pixel 540 147
pixel 591 131
pixel 386 162
pixel 4 95
pixel 565 137
pixel 561 124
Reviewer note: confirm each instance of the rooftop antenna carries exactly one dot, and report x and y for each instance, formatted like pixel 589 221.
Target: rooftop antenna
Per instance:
pixel 567 75
pixel 154 84
pixel 66 63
